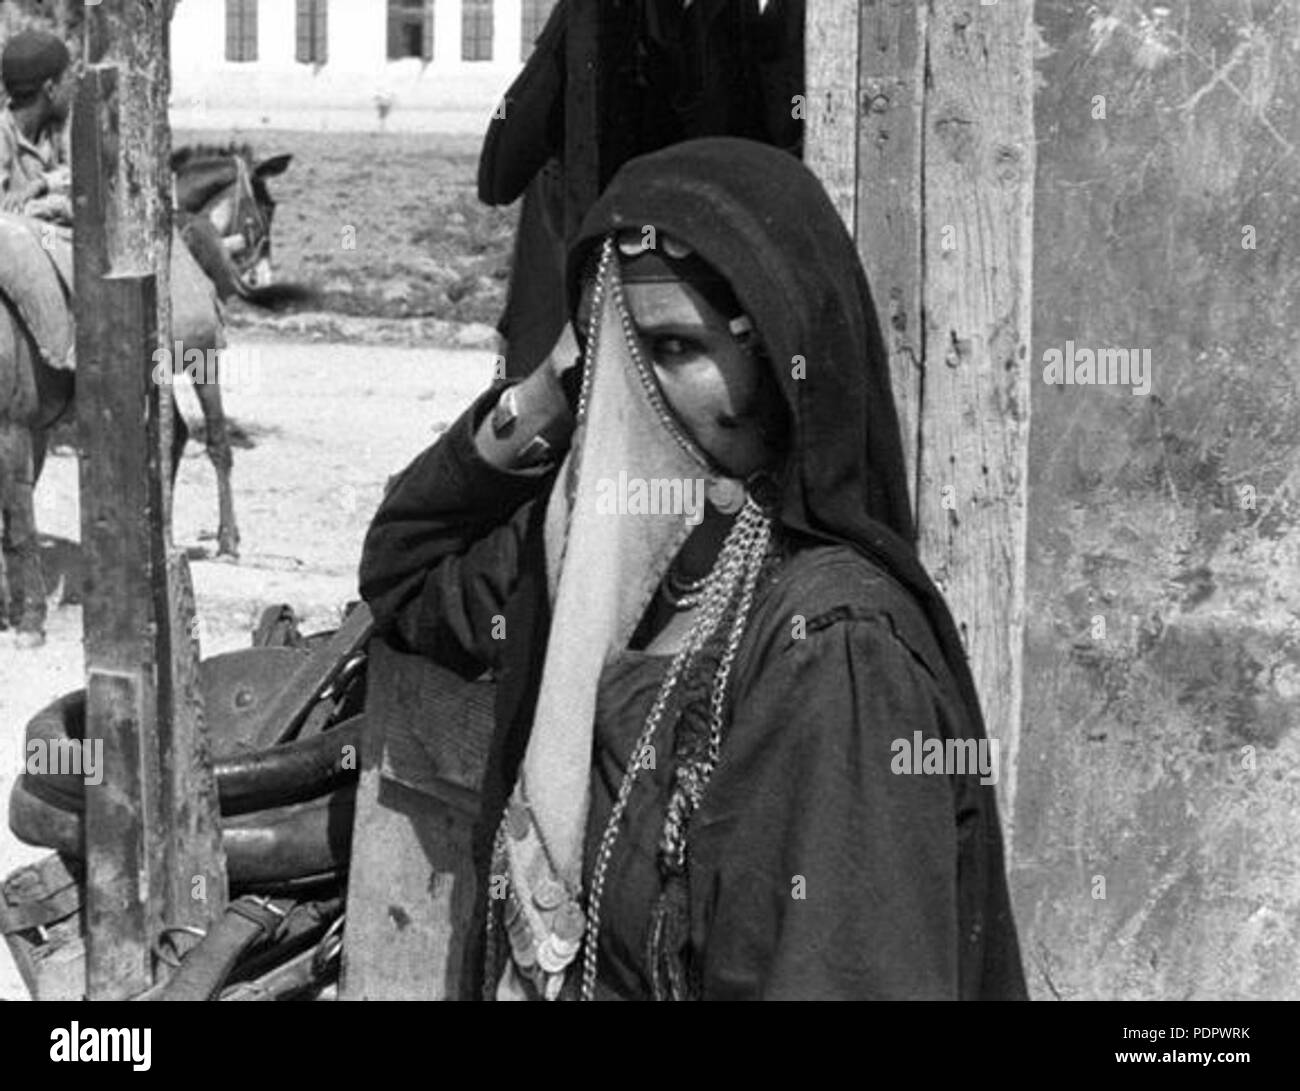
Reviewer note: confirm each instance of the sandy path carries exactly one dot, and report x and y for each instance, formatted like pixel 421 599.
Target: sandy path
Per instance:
pixel 330 423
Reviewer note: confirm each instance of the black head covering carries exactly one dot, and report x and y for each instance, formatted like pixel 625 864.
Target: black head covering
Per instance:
pixel 762 219
pixel 30 58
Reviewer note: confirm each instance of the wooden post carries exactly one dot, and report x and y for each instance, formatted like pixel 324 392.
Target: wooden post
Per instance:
pixel 153 840
pixel 830 110
pixel 941 119
pixel 411 886
pixel 978 186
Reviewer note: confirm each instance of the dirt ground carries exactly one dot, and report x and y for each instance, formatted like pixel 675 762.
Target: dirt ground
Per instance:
pixel 341 394
pixel 328 423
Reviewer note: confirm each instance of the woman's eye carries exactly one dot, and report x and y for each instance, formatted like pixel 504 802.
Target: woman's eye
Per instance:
pixel 673 347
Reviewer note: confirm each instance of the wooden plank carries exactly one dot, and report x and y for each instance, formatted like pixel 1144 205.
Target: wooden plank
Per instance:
pixel 152 824
pixel 862 138
pixel 978 192
pixel 195 873
pixel 123 903
pixel 438 746
pixel 889 143
pixel 133 41
pixel 831 42
pixel 124 831
pixel 411 886
pixel 410 896
pixel 114 472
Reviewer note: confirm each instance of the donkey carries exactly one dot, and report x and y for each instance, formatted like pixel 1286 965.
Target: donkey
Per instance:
pixel 224 214
pixel 226 186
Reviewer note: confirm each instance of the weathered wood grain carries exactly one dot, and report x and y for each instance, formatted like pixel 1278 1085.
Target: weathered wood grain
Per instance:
pixel 196 884
pixel 831 42
pixel 440 747
pixel 931 164
pixel 978 207
pixel 865 67
pixel 123 856
pixel 152 824
pixel 889 144
pixel 125 843
pixel 411 886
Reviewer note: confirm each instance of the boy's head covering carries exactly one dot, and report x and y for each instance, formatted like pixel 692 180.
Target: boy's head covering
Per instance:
pixel 30 58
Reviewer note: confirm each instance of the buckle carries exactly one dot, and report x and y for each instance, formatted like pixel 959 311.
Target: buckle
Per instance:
pixel 164 937
pixel 248 905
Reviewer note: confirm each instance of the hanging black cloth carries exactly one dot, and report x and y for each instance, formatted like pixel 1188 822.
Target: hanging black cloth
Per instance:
pixel 670 73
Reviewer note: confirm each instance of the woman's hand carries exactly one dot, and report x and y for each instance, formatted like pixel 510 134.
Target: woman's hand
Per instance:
pixel 565 361
pixel 533 419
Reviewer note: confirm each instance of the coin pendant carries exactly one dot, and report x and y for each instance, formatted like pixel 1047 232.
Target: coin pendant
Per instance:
pixel 548 893
pixel 726 494
pixel 570 923
pixel 517 820
pixel 548 958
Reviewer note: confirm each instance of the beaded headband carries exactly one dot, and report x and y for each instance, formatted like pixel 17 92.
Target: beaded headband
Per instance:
pixel 672 261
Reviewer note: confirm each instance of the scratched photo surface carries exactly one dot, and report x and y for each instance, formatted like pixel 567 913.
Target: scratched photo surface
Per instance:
pixel 1060 590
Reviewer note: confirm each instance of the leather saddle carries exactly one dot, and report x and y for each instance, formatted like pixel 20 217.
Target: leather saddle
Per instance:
pixel 283 719
pixel 36 277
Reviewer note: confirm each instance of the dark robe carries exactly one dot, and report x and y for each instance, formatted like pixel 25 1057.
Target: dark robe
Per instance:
pixel 815 869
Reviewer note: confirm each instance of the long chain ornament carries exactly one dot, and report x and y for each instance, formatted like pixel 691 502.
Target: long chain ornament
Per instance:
pixel 681 593
pixel 496 949
pixel 734 576
pixel 593 326
pixel 729 588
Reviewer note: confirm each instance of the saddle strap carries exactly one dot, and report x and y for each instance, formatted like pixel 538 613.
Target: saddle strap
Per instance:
pixel 205 969
pixel 40 895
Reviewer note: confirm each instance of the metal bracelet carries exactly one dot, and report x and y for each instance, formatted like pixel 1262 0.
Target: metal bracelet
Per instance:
pixel 536 452
pixel 505 413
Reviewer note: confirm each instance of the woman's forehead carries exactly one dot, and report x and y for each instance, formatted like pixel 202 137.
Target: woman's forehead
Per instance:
pixel 671 303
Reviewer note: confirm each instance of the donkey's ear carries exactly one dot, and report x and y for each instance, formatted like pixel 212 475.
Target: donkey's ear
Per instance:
pixel 268 168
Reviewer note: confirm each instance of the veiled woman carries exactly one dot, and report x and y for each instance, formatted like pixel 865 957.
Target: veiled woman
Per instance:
pixel 692 791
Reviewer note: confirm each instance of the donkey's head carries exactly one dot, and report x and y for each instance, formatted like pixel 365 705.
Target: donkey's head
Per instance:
pixel 228 186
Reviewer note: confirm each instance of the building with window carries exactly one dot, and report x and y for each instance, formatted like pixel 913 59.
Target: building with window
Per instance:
pixel 328 64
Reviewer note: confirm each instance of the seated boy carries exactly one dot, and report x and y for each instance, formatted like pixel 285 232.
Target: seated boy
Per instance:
pixel 36 71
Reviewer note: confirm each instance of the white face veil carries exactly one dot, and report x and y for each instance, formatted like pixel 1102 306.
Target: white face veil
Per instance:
pixel 628 495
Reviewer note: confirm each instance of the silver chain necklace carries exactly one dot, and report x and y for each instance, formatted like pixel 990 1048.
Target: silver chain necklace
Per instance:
pixel 732 581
